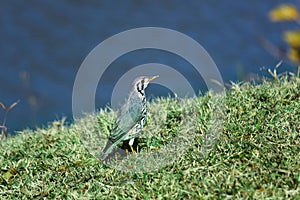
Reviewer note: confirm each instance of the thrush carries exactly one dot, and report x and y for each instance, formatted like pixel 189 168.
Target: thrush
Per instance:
pixel 131 117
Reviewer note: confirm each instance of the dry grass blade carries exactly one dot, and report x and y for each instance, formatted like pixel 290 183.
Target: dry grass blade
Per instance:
pixel 12 105
pixel 3 106
pixel 6 110
pixel 274 73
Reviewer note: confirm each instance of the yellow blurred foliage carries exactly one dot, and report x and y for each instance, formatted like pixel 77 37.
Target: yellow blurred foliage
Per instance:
pixel 294 55
pixel 292 38
pixel 284 12
pixel 288 12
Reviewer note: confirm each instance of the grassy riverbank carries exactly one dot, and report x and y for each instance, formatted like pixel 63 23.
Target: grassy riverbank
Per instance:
pixel 257 154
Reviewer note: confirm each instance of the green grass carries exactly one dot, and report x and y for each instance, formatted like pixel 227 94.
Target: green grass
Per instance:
pixel 257 155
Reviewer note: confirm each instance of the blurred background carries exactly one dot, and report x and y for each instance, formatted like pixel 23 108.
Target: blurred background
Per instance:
pixel 43 44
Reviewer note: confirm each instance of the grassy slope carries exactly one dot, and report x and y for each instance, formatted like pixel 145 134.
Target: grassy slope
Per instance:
pixel 257 154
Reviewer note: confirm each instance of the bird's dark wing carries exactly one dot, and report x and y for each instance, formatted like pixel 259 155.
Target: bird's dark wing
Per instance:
pixel 129 115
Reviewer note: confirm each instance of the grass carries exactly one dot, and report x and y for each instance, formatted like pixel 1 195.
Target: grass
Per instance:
pixel 257 154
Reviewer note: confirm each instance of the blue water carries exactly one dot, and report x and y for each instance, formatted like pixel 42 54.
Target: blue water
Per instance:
pixel 43 44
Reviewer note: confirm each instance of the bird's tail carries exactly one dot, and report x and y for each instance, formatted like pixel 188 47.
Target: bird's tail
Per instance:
pixel 110 146
pixel 107 150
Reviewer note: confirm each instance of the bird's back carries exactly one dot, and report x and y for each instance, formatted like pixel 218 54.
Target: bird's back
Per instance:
pixel 131 113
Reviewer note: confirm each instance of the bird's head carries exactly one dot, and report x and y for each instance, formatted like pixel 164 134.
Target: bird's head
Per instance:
pixel 142 82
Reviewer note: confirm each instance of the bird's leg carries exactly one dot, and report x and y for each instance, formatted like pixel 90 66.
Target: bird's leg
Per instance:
pixel 131 141
pixel 132 150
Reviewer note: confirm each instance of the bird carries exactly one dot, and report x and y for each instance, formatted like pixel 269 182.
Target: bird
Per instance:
pixel 131 117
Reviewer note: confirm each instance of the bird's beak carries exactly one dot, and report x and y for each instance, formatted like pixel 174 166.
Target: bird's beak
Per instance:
pixel 154 77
